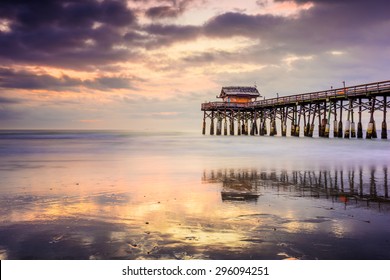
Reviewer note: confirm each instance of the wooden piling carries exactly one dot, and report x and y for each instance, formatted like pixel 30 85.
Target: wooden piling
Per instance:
pixel 327 125
pixel 283 121
pixel 293 118
pixel 320 130
pixel 297 124
pixel 212 124
pixel 265 126
pixel 239 123
pixel 204 123
pixel 384 125
pixel 371 130
pixel 246 124
pixel 231 123
pixel 348 123
pixel 312 122
pixel 225 128
pixel 261 126
pixel 340 128
pixel 219 124
pixel 335 125
pixel 353 130
pixel 360 126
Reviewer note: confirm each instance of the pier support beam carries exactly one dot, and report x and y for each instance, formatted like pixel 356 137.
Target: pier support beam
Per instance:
pixel 225 128
pixel 261 126
pixel 219 124
pixel 256 128
pixel 252 125
pixel 359 126
pixel 340 129
pixel 264 126
pixel 353 130
pixel 327 124
pixel 293 120
pixel 298 122
pixel 239 123
pixel 284 121
pixel 246 123
pixel 371 130
pixel 384 125
pixel 348 123
pixel 305 122
pixel 212 124
pixel 232 123
pixel 335 124
pixel 272 130
pixel 312 122
pixel 204 123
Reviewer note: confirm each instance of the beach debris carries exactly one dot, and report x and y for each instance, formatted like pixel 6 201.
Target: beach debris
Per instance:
pixel 240 196
pixel 56 239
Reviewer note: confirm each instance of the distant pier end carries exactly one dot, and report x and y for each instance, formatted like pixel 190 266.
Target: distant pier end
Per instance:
pixel 246 115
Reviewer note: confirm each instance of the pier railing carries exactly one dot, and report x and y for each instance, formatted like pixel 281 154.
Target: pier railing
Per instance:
pixel 338 93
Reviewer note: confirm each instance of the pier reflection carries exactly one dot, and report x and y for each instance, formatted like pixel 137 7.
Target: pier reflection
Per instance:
pixel 368 187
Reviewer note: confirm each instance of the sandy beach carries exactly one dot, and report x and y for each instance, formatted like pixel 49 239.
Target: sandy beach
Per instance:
pixel 121 195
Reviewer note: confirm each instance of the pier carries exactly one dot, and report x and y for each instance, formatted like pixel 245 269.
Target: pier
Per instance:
pixel 339 113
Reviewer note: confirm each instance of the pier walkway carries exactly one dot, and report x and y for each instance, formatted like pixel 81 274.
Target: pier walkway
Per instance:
pixel 307 109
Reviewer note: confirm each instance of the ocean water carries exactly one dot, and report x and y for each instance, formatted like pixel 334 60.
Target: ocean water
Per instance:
pixel 126 195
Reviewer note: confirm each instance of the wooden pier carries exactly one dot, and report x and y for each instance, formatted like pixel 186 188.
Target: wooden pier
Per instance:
pixel 334 112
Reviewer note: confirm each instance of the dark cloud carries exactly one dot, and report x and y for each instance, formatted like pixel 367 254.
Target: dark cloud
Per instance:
pixel 175 9
pixel 103 83
pixel 210 57
pixel 238 24
pixel 70 33
pixel 162 35
pixel 162 12
pixel 88 33
pixel 29 80
pixel 327 25
pixel 7 100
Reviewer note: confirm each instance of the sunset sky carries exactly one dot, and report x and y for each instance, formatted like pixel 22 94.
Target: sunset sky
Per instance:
pixel 147 65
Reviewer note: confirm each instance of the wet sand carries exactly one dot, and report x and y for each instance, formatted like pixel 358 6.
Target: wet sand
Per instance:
pixel 124 196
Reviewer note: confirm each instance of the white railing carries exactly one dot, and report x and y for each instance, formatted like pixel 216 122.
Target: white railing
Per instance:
pixel 354 91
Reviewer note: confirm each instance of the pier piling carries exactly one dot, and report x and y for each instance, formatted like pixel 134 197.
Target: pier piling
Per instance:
pixel 384 125
pixel 340 128
pixel 204 123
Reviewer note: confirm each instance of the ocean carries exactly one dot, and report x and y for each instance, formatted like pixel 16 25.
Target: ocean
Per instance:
pixel 137 195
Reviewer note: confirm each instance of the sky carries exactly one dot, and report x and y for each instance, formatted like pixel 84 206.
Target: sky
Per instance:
pixel 147 65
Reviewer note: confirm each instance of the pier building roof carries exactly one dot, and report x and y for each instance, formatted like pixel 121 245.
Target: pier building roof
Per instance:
pixel 239 91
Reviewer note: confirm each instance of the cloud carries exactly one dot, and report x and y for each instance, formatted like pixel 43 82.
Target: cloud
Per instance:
pixel 162 35
pixel 239 24
pixel 8 101
pixel 29 80
pixel 168 11
pixel 71 34
pixel 162 12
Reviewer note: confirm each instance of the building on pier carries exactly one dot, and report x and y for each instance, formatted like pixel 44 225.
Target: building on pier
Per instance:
pixel 239 94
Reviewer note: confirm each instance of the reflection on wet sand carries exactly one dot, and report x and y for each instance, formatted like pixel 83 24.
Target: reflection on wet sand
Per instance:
pixel 358 186
pixel 228 214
